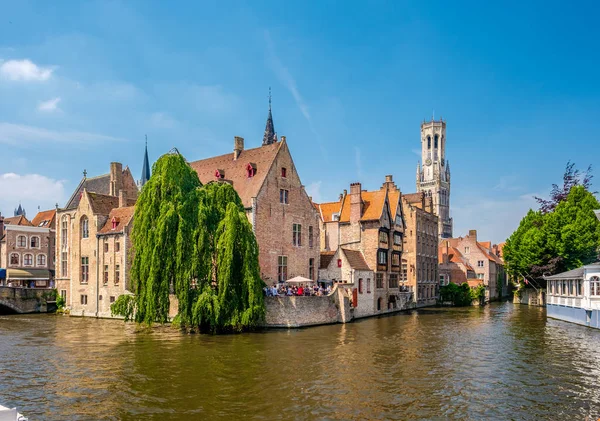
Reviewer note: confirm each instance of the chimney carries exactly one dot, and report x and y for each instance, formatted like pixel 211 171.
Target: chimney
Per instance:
pixel 122 199
pixel 473 234
pixel 238 147
pixel 116 178
pixel 388 179
pixel 355 202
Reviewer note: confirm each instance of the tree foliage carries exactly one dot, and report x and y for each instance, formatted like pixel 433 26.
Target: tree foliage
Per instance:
pixel 562 235
pixel 196 242
pixel 571 178
pixel 461 295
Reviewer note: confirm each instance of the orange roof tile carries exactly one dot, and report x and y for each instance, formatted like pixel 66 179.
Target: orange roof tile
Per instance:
pixel 328 209
pixel 17 220
pixel 489 255
pixel 122 217
pixel 486 244
pixel 372 208
pixel 235 171
pixel 44 219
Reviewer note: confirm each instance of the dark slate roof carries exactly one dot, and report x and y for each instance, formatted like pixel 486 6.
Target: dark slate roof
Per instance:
pixel 102 204
pixel 99 184
pixel 356 260
pixel 571 274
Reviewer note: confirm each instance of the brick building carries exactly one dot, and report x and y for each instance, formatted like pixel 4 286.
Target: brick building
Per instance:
pixel 362 243
pixel 420 260
pixel 284 221
pixel 27 249
pixel 455 267
pixel 93 243
pixel 480 257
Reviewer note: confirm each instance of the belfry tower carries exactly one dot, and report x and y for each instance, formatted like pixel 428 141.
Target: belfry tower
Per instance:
pixel 433 172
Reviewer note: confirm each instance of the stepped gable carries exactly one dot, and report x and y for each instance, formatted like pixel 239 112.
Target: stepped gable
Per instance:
pixel 44 219
pixel 235 171
pixel 122 217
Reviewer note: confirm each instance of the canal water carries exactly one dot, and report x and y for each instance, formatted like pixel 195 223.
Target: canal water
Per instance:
pixel 501 362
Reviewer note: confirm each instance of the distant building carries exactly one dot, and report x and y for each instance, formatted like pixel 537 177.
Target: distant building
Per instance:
pixel 27 249
pixel 20 211
pixel 93 243
pixel 455 267
pixel 433 173
pixel 420 262
pixel 284 221
pixel 362 244
pixel 481 258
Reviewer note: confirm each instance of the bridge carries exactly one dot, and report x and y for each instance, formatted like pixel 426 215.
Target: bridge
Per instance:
pixel 27 300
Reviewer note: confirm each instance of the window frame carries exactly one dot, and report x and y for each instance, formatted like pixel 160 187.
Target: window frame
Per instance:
pixel 22 241
pixel 284 196
pixel 28 257
pixel 38 242
pixel 43 262
pixel 18 260
pixel 297 235
pixel 282 262
pixel 85 270
pixel 85 227
pixel 379 280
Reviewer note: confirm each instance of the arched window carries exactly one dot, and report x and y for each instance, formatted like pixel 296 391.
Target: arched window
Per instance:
pixel 428 142
pixel 41 260
pixel 435 141
pixel 595 286
pixel 28 260
pixel 14 259
pixel 21 241
pixel 85 227
pixel 35 242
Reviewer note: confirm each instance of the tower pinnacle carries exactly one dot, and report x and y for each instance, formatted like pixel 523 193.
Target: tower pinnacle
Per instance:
pixel 270 136
pixel 145 166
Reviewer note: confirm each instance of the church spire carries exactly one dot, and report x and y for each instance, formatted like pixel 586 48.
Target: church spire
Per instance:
pixel 145 166
pixel 270 136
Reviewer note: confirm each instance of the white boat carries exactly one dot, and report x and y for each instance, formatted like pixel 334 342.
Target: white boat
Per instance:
pixel 7 414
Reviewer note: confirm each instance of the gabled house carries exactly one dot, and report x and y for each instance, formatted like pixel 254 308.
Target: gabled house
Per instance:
pixel 365 230
pixel 285 223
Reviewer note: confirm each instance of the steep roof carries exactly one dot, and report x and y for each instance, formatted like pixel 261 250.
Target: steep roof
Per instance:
pixel 486 244
pixel 235 171
pixel 44 219
pixel 413 198
pixel 356 259
pixel 394 198
pixel 326 257
pixel 145 167
pixel 488 254
pixel 18 220
pixel 328 209
pixel 454 256
pixel 372 208
pixel 99 184
pixel 102 204
pixel 122 217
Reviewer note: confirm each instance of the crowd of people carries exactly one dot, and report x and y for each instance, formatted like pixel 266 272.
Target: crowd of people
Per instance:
pixel 297 290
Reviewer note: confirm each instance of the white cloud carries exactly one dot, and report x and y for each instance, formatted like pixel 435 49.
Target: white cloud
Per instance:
pixel 50 105
pixel 24 70
pixel 31 190
pixel 163 120
pixel 25 136
pixel 314 191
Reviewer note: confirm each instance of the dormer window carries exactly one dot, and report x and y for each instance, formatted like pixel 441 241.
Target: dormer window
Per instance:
pixel 220 174
pixel 114 223
pixel 250 170
pixel 283 172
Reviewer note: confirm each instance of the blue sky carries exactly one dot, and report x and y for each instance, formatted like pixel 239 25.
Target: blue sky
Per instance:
pixel 81 83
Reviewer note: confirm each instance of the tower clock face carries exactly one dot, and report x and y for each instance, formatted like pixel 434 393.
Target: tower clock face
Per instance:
pixel 428 161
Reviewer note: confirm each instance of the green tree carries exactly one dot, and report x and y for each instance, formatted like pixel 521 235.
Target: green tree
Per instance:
pixel 164 226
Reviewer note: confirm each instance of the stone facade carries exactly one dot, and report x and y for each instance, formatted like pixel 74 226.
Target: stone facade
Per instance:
pixel 27 250
pixel 93 245
pixel 433 177
pixel 285 223
pixel 367 229
pixel 420 260
pixel 481 259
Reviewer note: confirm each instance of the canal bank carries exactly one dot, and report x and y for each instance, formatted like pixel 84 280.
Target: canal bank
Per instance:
pixel 502 361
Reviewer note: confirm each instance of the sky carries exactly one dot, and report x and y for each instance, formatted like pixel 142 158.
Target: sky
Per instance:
pixel 83 83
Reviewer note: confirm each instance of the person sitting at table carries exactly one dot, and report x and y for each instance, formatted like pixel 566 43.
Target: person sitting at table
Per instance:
pixel 300 291
pixel 274 289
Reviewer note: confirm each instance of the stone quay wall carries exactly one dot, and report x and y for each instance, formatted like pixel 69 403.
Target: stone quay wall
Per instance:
pixel 294 311
pixel 26 300
pixel 531 297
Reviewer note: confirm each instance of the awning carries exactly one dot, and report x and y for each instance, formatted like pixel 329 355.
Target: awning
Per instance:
pixel 28 274
pixel 299 280
pixel 2 273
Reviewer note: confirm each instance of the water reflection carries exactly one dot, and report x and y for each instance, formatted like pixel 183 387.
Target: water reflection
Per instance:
pixel 499 362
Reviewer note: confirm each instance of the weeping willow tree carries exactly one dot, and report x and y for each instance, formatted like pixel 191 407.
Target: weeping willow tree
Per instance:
pixel 195 241
pixel 165 223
